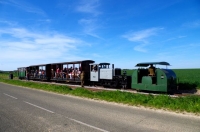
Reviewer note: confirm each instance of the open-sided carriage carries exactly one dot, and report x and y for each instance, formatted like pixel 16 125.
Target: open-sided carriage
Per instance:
pixel 60 72
pixel 39 72
pixel 70 71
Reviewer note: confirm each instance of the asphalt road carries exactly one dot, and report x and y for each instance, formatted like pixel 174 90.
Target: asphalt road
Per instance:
pixel 29 110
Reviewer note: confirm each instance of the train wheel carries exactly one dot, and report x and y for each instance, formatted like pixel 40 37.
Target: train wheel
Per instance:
pixel 114 84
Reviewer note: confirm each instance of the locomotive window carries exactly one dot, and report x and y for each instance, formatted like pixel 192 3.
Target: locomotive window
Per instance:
pixel 94 68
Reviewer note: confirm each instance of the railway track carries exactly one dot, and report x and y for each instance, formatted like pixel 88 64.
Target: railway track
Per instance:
pixel 100 88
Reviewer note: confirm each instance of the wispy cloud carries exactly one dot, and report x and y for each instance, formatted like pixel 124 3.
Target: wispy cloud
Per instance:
pixel 89 6
pixel 9 23
pixel 141 37
pixel 89 27
pixel 140 48
pixel 27 45
pixel 24 6
pixel 174 38
pixel 193 24
pixel 89 24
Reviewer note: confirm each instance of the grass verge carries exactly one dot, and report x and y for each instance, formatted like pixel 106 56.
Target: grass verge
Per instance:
pixel 180 104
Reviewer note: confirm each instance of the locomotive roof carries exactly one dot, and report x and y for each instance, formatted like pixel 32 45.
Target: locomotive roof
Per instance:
pixel 145 64
pixel 104 63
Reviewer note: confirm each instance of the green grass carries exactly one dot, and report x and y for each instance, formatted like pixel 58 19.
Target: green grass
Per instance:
pixel 5 75
pixel 188 78
pixel 180 104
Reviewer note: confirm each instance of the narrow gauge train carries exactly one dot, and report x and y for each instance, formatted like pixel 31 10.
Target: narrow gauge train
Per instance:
pixel 164 80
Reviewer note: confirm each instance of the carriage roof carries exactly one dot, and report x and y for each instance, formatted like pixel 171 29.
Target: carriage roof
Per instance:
pixel 73 62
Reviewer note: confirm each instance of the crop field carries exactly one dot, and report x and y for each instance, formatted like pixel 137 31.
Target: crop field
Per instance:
pixel 188 78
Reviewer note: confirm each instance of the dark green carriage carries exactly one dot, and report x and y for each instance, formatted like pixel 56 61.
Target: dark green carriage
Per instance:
pixel 164 80
pixel 22 72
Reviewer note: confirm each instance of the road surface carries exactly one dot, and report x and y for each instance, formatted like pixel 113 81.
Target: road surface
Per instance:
pixel 29 110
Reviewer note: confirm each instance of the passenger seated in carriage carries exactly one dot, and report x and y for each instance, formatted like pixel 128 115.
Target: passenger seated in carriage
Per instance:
pixel 151 70
pixel 57 73
pixel 70 72
pixel 64 72
pixel 43 74
pixel 52 73
pixel 61 74
pixel 77 72
pixel 35 74
pixel 40 73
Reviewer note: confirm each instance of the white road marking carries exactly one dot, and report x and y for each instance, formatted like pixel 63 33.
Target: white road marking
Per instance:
pixel 87 125
pixel 69 118
pixel 9 96
pixel 39 107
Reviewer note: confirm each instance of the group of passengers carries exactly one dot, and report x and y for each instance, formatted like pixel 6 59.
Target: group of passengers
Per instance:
pixel 39 74
pixel 66 73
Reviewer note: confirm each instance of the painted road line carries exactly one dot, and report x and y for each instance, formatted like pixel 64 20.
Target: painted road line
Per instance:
pixel 10 96
pixel 87 125
pixel 39 107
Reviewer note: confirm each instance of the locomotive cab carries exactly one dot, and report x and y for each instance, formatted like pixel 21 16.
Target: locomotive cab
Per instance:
pixel 163 80
pixel 94 72
pixel 102 74
pixel 100 71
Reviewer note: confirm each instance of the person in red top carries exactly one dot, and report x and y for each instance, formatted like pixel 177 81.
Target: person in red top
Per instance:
pixel 58 72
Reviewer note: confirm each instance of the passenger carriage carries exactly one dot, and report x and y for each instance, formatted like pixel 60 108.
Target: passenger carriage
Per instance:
pixel 39 72
pixel 21 72
pixel 70 71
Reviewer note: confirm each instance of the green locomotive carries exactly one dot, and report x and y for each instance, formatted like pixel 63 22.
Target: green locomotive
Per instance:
pixel 161 80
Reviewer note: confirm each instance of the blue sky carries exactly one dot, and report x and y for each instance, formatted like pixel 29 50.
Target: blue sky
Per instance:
pixel 121 32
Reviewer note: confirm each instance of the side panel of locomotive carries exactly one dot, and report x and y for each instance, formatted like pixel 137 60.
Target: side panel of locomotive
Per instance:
pixel 101 74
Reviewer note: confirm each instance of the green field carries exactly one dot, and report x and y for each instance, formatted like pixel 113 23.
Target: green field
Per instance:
pixel 188 78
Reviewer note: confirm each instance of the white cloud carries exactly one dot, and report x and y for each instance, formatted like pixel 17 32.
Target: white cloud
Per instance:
pixel 89 27
pixel 174 38
pixel 22 45
pixel 89 6
pixel 24 6
pixel 140 48
pixel 141 37
pixel 10 23
pixel 193 24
